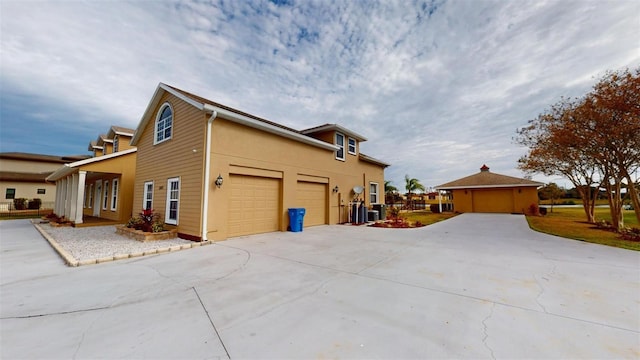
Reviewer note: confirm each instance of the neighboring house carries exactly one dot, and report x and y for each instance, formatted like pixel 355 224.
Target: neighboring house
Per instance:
pixel 486 192
pixel 215 172
pixel 22 175
pixel 101 186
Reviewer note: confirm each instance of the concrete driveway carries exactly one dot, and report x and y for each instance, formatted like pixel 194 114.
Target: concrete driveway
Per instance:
pixel 475 286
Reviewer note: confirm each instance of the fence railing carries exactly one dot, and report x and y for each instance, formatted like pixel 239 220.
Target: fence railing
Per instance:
pixel 7 209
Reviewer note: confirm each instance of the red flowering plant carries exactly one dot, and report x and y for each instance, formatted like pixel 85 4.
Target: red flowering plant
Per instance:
pixel 147 221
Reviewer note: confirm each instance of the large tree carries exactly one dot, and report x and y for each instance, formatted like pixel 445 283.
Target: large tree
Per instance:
pixel 594 141
pixel 554 149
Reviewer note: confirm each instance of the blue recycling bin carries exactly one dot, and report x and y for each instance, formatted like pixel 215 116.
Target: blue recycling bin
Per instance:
pixel 296 218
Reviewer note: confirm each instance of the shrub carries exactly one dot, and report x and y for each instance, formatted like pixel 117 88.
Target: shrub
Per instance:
pixel 631 234
pixel 35 204
pixel 534 210
pixel 146 221
pixel 20 203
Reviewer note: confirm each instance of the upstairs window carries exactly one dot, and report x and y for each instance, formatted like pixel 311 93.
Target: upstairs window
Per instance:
pixel 340 145
pixel 352 146
pixel 116 143
pixel 164 124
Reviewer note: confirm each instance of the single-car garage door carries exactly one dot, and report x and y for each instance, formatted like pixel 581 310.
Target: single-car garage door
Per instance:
pixel 493 201
pixel 312 197
pixel 254 205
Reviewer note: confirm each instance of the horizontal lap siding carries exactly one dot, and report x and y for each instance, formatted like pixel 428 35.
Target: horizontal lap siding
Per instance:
pixel 174 158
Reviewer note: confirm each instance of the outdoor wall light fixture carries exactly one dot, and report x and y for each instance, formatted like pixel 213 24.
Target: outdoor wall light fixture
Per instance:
pixel 336 189
pixel 218 181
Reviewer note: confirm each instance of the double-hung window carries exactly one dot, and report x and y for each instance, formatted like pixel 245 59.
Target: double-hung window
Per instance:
pixel 106 195
pixel 164 124
pixel 173 199
pixel 147 197
pixel 116 143
pixel 373 193
pixel 10 193
pixel 340 145
pixel 352 146
pixel 114 194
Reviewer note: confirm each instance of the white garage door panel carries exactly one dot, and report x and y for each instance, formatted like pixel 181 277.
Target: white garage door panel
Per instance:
pixel 312 197
pixel 254 205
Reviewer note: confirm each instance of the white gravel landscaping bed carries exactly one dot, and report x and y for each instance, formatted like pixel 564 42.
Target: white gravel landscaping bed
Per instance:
pixel 98 242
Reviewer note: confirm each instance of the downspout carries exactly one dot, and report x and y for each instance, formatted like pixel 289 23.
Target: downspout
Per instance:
pixel 207 176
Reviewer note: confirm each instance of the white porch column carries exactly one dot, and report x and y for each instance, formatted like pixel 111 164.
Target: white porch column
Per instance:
pixel 73 196
pixel 67 198
pixel 79 191
pixel 63 196
pixel 56 205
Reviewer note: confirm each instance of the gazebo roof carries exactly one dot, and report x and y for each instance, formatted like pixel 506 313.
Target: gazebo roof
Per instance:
pixel 487 179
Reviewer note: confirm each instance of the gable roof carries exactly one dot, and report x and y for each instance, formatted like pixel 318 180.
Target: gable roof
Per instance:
pixel 119 130
pixel 334 127
pixel 487 179
pixel 67 169
pixel 227 113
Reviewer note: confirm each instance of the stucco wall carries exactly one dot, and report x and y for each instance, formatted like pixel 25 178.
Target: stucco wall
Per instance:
pixel 515 200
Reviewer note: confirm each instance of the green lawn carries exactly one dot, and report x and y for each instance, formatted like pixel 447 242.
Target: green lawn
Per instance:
pixel 571 223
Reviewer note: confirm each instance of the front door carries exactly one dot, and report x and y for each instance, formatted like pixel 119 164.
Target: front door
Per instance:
pixel 96 198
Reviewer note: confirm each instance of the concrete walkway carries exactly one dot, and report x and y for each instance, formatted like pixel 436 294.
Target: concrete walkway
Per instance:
pixel 475 286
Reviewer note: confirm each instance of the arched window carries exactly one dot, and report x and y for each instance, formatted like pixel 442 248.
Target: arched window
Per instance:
pixel 164 124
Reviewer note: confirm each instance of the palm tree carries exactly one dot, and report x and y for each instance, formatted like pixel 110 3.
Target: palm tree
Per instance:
pixel 411 184
pixel 390 192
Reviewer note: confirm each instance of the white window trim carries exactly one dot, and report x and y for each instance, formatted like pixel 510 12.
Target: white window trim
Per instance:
pixel 105 195
pixel 377 193
pixel 355 147
pixel 116 143
pixel 115 187
pixel 168 204
pixel 155 124
pixel 341 147
pixel 145 193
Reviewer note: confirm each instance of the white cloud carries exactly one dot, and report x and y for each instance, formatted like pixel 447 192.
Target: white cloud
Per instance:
pixel 438 88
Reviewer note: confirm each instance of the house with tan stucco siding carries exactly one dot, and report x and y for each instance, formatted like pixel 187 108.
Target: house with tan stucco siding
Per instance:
pixel 215 172
pixel 487 192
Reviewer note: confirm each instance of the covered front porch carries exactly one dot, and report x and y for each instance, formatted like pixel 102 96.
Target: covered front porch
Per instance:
pixel 95 191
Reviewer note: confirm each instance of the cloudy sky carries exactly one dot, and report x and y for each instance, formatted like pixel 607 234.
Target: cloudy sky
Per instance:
pixel 438 87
